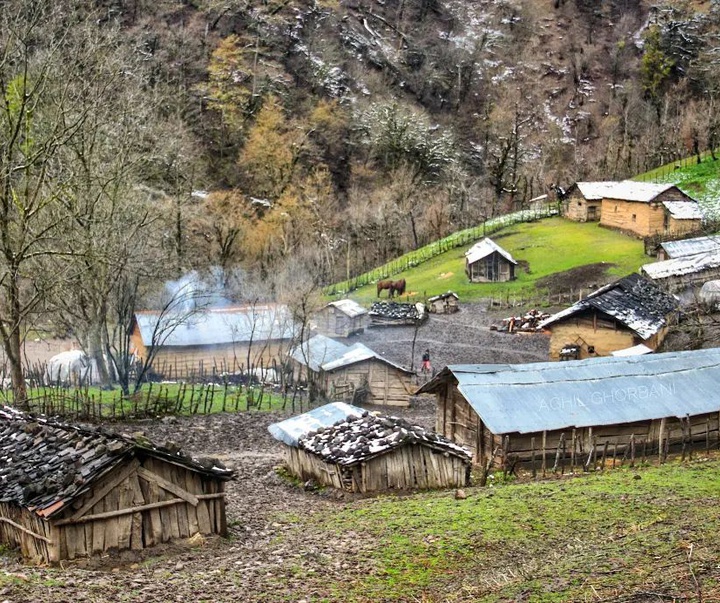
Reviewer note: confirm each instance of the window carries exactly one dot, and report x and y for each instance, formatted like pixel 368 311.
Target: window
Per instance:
pixel 616 209
pixel 633 217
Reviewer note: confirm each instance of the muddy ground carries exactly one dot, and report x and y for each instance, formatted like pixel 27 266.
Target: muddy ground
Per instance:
pixel 248 565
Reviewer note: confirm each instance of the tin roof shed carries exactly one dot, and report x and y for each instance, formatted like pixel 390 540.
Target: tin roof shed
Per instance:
pixel 528 398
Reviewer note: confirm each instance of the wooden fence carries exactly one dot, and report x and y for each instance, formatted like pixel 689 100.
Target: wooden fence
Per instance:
pixel 461 238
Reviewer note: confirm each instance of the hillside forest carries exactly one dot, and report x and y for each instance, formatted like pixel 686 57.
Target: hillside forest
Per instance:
pixel 272 146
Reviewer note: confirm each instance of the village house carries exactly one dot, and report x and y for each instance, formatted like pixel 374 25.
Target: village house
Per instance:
pixel 347 448
pixel 487 262
pixel 445 303
pixel 647 209
pixel 582 201
pixel 353 373
pixel 621 315
pixel 580 412
pixel 341 318
pixel 214 341
pixel 68 492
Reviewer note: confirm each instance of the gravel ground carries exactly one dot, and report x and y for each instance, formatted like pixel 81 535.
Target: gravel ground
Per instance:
pixel 253 564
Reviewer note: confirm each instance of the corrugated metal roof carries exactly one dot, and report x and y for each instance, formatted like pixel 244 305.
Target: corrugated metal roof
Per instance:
pixel 684 210
pixel 689 264
pixel 321 353
pixel 293 429
pixel 643 192
pixel 349 307
pixel 676 249
pixel 633 301
pixel 218 326
pixel 483 249
pixel 443 296
pixel 528 398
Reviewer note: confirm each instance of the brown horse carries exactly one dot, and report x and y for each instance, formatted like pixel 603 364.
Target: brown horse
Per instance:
pixel 384 285
pixel 397 288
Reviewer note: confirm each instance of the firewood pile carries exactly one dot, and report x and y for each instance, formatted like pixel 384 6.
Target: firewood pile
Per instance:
pixel 527 323
pixel 396 313
pixel 44 461
pixel 357 439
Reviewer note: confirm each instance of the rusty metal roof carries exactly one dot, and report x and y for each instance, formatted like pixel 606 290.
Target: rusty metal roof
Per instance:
pixel 529 398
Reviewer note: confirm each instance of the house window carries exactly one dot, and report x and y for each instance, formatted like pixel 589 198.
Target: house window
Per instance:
pixel 633 217
pixel 616 209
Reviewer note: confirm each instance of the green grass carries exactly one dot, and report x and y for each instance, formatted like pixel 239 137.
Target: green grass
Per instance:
pixel 548 246
pixel 577 539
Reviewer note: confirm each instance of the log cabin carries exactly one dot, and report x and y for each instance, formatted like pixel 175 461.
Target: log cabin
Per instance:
pixel 214 341
pixel 341 318
pixel 347 448
pixel 487 262
pixel 68 491
pixel 623 314
pixel 581 409
pixel 351 373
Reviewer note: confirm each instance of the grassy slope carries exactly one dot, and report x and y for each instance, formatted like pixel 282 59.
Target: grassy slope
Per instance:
pixel 596 538
pixel 548 246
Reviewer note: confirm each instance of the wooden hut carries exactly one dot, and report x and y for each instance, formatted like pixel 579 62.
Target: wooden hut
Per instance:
pixel 69 492
pixel 580 411
pixel 487 262
pixel 668 250
pixel 582 201
pixel 352 373
pixel 356 451
pixel 445 303
pixel 623 314
pixel 213 341
pixel 341 318
pixel 647 209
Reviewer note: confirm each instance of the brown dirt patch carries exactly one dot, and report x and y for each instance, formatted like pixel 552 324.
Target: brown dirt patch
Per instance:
pixel 590 276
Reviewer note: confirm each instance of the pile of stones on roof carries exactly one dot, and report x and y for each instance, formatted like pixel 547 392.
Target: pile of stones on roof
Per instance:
pixel 357 439
pixel 395 311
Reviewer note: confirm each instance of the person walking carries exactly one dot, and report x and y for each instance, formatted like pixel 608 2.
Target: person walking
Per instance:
pixel 426 368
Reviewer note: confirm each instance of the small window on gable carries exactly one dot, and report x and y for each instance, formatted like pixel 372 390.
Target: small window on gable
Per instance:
pixel 633 217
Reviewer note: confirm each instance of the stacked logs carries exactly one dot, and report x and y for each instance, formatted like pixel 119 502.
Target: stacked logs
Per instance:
pixel 527 323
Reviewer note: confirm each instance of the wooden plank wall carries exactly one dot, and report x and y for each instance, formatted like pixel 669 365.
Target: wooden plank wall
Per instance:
pixel 407 468
pixel 388 385
pixel 175 503
pixel 30 534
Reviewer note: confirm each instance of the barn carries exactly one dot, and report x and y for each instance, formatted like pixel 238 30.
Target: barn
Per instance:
pixel 445 303
pixel 583 409
pixel 213 341
pixel 341 318
pixel 623 314
pixel 355 372
pixel 68 491
pixel 646 209
pixel 487 262
pixel 344 447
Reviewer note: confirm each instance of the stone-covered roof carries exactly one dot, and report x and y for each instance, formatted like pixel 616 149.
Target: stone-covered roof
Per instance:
pixel 45 465
pixel 357 439
pixel 633 301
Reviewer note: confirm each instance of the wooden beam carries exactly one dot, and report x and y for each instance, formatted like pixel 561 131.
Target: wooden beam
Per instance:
pixel 103 492
pixel 138 509
pixel 24 529
pixel 151 477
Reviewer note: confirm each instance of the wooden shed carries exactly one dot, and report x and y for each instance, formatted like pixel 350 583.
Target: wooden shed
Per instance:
pixel 368 452
pixel 685 273
pixel 581 411
pixel 668 250
pixel 214 341
pixel 341 318
pixel 445 303
pixel 623 314
pixel 487 262
pixel 647 209
pixel 67 491
pixel 352 373
pixel 582 202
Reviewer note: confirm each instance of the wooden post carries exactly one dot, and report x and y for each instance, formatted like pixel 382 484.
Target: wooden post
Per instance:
pixel 532 457
pixel 614 453
pixel 544 459
pixel 632 449
pixel 605 449
pixel 661 439
pixel 572 451
pixel 561 444
pixel 707 435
